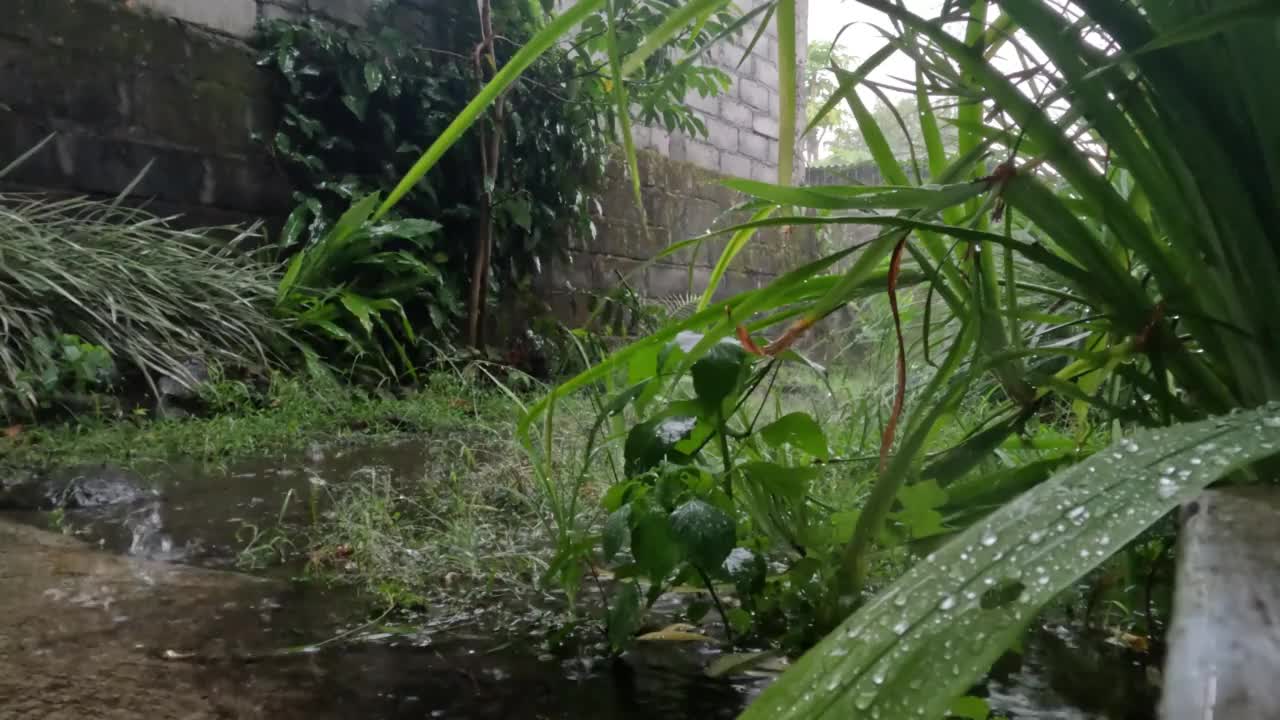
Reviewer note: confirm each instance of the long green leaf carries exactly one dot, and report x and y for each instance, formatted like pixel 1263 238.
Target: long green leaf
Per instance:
pixel 543 40
pixel 786 20
pixel 675 22
pixel 931 634
pixel 861 197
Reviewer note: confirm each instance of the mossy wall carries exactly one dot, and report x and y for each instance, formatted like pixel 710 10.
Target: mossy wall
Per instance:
pixel 170 86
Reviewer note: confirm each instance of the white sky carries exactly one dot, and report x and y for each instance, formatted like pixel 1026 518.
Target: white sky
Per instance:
pixel 827 17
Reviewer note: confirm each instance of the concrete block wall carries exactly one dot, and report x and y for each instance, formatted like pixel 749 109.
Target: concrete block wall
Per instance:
pixel 743 122
pixel 125 90
pixel 171 84
pixel 681 201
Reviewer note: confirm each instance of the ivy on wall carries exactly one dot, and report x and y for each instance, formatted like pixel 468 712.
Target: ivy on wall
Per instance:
pixel 358 105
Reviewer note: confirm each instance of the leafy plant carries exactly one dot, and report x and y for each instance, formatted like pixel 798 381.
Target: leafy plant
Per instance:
pixel 358 105
pixel 1150 168
pixel 84 284
pixel 64 363
pixel 348 288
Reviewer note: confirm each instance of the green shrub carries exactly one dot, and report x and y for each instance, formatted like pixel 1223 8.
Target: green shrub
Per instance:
pixel 84 283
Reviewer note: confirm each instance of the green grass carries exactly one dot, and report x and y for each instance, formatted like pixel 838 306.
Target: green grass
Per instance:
pixel 151 295
pixel 292 413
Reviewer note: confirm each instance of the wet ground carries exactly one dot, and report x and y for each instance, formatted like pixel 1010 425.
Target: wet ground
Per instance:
pixel 139 615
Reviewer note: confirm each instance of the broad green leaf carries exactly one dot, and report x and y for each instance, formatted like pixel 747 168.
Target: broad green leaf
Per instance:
pixel 654 546
pixel 720 374
pixel 617 532
pixel 799 430
pixel 372 77
pixel 650 443
pixel 920 503
pixel 933 622
pixel 969 708
pixel 707 533
pixel 361 309
pixel 290 278
pixel 293 227
pixel 625 614
pixel 791 483
pixel 746 570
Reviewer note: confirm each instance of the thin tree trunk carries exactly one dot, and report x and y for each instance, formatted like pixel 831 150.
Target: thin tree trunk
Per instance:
pixel 486 63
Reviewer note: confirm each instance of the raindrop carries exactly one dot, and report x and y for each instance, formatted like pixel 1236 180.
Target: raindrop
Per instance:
pixel 947 603
pixel 1035 537
pixel 901 628
pixel 988 538
pixel 900 601
pixel 878 678
pixel 1195 461
pixel 1166 488
pixel 1077 514
pixel 1043 580
pixel 864 700
pixel 1130 446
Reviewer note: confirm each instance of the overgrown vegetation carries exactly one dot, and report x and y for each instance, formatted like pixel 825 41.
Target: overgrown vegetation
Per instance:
pixel 1138 105
pixel 94 295
pixel 1090 270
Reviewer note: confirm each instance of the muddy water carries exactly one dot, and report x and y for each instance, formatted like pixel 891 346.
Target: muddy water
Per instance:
pixel 139 616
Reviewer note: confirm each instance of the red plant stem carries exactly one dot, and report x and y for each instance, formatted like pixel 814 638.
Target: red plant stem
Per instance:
pixel 899 393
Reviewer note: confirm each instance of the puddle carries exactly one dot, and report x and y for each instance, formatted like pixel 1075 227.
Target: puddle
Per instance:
pixel 97 626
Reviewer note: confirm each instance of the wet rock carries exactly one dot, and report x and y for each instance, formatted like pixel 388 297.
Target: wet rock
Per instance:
pixel 76 487
pixel 196 373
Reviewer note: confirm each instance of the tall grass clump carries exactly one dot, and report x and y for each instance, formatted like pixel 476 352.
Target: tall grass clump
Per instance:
pixel 153 296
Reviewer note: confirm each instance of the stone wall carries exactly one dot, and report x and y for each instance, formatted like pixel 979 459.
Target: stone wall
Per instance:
pixel 170 87
pixel 743 122
pixel 682 201
pixel 124 91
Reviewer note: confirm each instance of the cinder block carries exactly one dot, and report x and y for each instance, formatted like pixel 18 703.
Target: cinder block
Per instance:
pixel 765 125
pixel 230 17
pixel 764 71
pixel 752 144
pixel 736 113
pixel 754 94
pixel 352 12
pixel 709 105
pixel 764 172
pixel 722 134
pixel 735 165
pixel 702 154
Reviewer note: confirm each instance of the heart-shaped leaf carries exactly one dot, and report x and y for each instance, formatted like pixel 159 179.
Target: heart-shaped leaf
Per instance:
pixel 707 533
pixel 720 373
pixel 799 430
pixel 650 443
